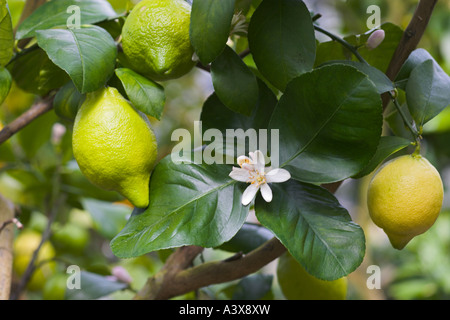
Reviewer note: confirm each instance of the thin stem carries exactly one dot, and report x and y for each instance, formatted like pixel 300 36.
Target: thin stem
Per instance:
pixel 347 45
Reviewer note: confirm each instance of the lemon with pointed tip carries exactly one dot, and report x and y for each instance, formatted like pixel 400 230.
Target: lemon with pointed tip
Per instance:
pixel 155 39
pixel 114 145
pixel 405 197
pixel 297 284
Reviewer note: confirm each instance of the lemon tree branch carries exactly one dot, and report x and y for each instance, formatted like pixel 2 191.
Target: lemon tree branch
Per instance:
pixel 6 243
pixel 26 118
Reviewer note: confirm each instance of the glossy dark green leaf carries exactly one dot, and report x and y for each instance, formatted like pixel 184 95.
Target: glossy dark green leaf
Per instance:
pixel 5 83
pixel 416 58
pixel 248 238
pixel 317 231
pixel 282 40
pixel 253 287
pixel 328 129
pixel 380 80
pixel 387 147
pixel 58 14
pixel 234 83
pixel 34 72
pixel 92 286
pixel 216 115
pixel 210 27
pixel 190 204
pixel 6 34
pixel 427 91
pixel 67 101
pixel 147 96
pixel 88 55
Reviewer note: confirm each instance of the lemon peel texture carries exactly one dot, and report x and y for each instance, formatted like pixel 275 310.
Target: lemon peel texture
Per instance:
pixel 405 197
pixel 114 145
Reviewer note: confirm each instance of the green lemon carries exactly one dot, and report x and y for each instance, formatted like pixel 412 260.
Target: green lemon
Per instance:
pixel 155 39
pixel 70 237
pixel 405 197
pixel 297 284
pixel 55 287
pixel 24 246
pixel 114 145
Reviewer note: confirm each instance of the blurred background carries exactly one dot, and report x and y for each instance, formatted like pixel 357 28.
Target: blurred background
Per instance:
pixel 30 161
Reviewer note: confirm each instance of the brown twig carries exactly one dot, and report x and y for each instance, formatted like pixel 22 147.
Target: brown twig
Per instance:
pixel 26 118
pixel 6 245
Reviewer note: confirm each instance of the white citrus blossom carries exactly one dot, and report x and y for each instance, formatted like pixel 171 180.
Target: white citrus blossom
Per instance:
pixel 252 170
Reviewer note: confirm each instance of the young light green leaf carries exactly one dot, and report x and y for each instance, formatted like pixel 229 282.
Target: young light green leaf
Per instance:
pixel 88 54
pixel 5 83
pixel 190 204
pixel 147 96
pixel 329 130
pixel 58 13
pixel 317 231
pixel 427 91
pixel 6 34
pixel 234 83
pixel 210 27
pixel 282 40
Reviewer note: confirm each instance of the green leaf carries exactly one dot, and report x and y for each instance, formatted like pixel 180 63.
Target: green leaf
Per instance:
pixel 235 84
pixel 387 147
pixel 236 127
pixel 416 58
pixel 56 14
pixel 88 55
pixel 210 27
pixel 253 287
pixel 190 204
pixel 67 101
pixel 215 115
pixel 282 41
pixel 34 72
pixel 147 96
pixel 329 130
pixel 317 231
pixel 6 34
pixel 93 286
pixel 427 91
pixel 380 80
pixel 248 238
pixel 109 218
pixel 5 83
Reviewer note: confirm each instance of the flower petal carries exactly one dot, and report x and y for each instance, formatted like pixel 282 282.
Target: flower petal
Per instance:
pixel 240 174
pixel 277 175
pixel 259 161
pixel 244 160
pixel 249 194
pixel 266 192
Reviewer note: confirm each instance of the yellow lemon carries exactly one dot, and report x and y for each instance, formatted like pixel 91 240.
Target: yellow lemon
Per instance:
pixel 297 284
pixel 114 145
pixel 24 246
pixel 155 39
pixel 405 197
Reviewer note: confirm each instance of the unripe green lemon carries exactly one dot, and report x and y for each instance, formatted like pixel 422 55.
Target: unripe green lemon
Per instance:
pixel 114 145
pixel 24 246
pixel 55 287
pixel 297 284
pixel 155 39
pixel 405 197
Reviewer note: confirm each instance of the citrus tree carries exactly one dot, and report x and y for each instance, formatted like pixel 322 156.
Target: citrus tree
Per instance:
pixel 88 147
